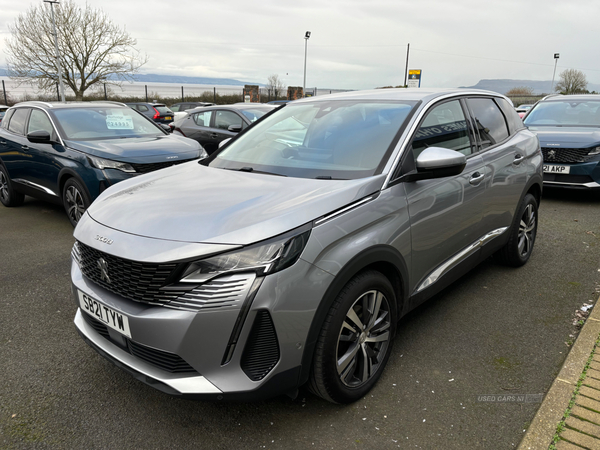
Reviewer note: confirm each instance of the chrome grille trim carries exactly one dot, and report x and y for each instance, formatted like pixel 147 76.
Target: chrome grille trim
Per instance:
pixel 222 292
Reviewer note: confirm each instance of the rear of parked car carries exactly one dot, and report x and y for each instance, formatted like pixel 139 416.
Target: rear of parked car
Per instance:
pixel 332 218
pixel 158 112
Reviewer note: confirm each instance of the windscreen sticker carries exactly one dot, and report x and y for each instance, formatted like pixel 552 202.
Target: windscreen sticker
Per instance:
pixel 114 122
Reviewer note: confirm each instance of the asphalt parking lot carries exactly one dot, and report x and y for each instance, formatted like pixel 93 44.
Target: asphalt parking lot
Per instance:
pixel 498 331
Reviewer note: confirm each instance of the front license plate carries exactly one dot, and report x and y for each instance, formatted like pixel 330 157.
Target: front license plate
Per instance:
pixel 550 168
pixel 168 118
pixel 104 314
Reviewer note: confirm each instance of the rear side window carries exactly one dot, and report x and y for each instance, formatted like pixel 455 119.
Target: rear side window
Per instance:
pixel 142 108
pixel 514 121
pixel 175 108
pixel 203 119
pixel 17 122
pixel 489 121
pixel 444 126
pixel 6 119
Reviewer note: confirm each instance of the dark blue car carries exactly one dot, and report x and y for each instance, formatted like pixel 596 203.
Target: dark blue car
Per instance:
pixel 68 153
pixel 568 127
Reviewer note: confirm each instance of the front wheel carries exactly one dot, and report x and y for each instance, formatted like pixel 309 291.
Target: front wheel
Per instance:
pixel 519 247
pixel 75 200
pixel 356 339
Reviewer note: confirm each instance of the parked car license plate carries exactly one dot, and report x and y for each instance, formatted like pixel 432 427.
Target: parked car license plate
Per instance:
pixel 551 168
pixel 168 118
pixel 104 314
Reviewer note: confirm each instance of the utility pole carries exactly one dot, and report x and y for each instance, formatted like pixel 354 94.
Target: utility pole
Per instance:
pixel 406 67
pixel 306 38
pixel 556 56
pixel 58 64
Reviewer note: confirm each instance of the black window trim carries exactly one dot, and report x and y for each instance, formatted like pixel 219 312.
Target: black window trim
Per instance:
pixel 28 108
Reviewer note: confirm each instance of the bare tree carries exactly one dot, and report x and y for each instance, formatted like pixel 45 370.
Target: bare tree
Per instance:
pixel 275 85
pixel 521 90
pixel 92 48
pixel 572 81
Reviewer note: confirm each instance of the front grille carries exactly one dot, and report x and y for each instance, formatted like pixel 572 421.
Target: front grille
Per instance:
pixel 141 282
pixel 262 349
pixel 567 155
pixel 169 362
pixel 151 167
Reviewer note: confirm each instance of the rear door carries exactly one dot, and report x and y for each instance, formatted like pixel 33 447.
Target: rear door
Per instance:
pixel 503 152
pixel 197 126
pixel 445 213
pixel 16 155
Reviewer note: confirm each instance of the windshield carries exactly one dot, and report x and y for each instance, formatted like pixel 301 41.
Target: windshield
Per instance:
pixel 98 123
pixel 565 113
pixel 329 139
pixel 254 114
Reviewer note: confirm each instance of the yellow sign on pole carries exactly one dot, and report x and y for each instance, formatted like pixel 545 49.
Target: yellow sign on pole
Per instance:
pixel 414 78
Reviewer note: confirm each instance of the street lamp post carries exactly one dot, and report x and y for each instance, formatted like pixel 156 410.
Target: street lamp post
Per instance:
pixel 58 65
pixel 556 56
pixel 306 38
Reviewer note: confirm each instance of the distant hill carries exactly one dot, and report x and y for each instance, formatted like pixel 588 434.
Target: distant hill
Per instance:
pixel 155 78
pixel 503 86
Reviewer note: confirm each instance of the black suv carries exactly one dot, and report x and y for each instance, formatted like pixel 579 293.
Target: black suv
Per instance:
pixel 68 153
pixel 158 112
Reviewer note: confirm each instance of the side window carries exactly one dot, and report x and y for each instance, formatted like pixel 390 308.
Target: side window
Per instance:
pixel 142 108
pixel 38 121
pixel 489 121
pixel 514 121
pixel 17 121
pixel 224 119
pixel 202 119
pixel 175 108
pixel 6 118
pixel 444 126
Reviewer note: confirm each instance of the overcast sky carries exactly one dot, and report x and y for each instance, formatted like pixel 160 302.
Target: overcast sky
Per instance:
pixel 355 44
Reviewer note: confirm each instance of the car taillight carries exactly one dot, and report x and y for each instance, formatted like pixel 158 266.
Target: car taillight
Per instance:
pixel 157 115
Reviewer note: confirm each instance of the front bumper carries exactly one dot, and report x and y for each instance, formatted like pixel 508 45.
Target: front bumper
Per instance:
pixel 581 176
pixel 202 338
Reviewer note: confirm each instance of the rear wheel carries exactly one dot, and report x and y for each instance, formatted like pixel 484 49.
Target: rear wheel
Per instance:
pixel 356 339
pixel 8 195
pixel 75 200
pixel 519 247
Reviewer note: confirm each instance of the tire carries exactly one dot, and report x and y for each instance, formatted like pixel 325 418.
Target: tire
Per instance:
pixel 347 362
pixel 519 247
pixel 8 196
pixel 75 200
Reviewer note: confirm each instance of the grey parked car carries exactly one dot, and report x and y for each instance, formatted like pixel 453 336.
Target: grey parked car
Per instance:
pixel 211 125
pixel 335 216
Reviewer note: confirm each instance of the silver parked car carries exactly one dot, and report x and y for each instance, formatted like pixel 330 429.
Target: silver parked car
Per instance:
pixel 327 221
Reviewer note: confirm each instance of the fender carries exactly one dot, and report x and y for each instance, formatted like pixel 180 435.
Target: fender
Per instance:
pixel 67 172
pixel 379 257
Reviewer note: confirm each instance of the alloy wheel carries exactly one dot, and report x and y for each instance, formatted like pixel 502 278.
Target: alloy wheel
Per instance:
pixel 4 194
pixel 527 230
pixel 363 339
pixel 75 203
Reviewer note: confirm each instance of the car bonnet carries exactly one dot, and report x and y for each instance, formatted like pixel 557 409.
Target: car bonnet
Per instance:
pixel 194 203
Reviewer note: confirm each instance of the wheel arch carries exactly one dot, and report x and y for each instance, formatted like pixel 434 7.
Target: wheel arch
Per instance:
pixel 64 176
pixel 384 259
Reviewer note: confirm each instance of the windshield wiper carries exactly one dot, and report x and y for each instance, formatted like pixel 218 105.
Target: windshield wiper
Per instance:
pixel 328 177
pixel 253 170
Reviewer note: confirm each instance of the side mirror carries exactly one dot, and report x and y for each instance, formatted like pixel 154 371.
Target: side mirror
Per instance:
pixel 234 128
pixel 223 142
pixel 39 137
pixel 437 162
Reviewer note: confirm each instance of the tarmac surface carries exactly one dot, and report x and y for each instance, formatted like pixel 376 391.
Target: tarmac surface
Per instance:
pixel 497 333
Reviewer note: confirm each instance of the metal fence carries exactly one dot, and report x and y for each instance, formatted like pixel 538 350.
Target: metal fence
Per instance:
pixel 14 92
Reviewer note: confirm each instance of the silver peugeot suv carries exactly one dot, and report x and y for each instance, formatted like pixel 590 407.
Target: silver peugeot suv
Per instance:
pixel 287 257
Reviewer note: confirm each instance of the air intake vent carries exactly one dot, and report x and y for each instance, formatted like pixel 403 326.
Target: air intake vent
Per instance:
pixel 262 349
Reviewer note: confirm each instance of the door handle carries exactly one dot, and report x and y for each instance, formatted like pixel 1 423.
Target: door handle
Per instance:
pixel 518 159
pixel 24 147
pixel 2 142
pixel 476 178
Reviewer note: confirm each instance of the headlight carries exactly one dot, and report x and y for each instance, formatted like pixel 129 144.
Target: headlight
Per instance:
pixel 101 163
pixel 264 258
pixel 594 151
